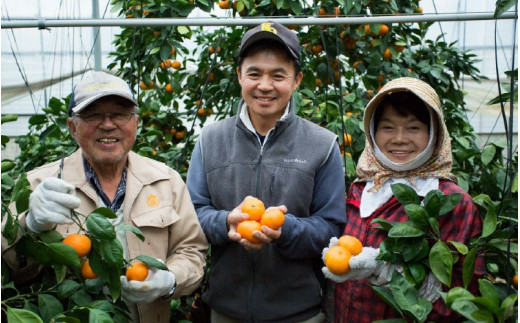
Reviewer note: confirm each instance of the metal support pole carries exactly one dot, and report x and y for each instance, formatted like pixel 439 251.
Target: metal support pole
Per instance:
pixel 96 36
pixel 206 22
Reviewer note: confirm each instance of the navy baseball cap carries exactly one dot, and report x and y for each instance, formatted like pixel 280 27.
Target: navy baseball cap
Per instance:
pixel 272 30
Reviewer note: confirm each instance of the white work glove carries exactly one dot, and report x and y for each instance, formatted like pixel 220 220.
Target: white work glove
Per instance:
pixel 362 266
pixel 430 289
pixel 158 283
pixel 51 203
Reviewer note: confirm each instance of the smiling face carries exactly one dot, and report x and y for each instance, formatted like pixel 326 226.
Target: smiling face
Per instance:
pixel 268 78
pixel 106 144
pixel 400 137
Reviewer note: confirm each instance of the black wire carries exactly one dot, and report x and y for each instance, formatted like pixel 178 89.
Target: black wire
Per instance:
pixel 20 68
pixel 506 190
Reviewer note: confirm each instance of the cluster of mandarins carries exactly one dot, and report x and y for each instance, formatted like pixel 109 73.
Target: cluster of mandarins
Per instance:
pixel 337 258
pixel 258 216
pixel 82 244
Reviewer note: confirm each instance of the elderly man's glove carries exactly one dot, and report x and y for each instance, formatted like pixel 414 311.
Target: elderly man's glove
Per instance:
pixel 362 266
pixel 158 283
pixel 50 204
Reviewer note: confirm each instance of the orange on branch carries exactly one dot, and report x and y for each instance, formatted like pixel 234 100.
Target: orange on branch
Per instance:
pixel 168 88
pixel 86 270
pixel 223 4
pixel 80 242
pixel 383 30
pixel 176 65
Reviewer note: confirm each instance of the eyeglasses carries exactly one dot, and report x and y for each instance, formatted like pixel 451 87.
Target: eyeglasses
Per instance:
pixel 95 119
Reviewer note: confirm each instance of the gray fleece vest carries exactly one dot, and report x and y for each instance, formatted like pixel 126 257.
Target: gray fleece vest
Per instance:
pixel 280 172
pixel 261 285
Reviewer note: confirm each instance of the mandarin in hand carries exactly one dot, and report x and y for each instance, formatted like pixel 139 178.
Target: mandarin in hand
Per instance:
pixel 254 207
pixel 246 229
pixel 273 218
pixel 352 244
pixel 337 260
pixel 137 271
pixel 80 242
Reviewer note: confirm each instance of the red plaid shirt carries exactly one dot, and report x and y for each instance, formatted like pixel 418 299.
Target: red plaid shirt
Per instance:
pixel 354 299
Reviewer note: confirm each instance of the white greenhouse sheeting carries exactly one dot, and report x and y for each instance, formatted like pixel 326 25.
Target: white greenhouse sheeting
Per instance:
pixel 52 61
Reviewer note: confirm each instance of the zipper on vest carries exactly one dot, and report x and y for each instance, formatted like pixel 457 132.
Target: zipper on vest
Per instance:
pixel 258 173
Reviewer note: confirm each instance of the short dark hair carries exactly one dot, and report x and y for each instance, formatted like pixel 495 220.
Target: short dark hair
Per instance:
pixel 404 104
pixel 270 45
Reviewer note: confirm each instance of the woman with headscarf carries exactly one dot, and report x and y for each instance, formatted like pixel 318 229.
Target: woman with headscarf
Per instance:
pixel 407 142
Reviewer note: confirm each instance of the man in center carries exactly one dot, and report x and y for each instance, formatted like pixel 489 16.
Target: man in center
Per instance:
pixel 268 152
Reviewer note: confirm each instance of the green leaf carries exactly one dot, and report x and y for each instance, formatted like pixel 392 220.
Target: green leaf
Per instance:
pixel 387 296
pixel 154 50
pixel 99 316
pixel 405 194
pixel 417 215
pixel 461 248
pixel 111 252
pixel 152 262
pixel 434 224
pixel 418 272
pixel 100 227
pixel 64 254
pixel 464 308
pixel 37 119
pixel 183 30
pixel 415 249
pixel 36 249
pixel 81 297
pixel 456 293
pixel 406 297
pixel 49 306
pixel 487 304
pixel 15 315
pixel 106 212
pixel 404 230
pixel 133 229
pixel 9 118
pixel 21 193
pixel 67 288
pixel 432 203
pixel 507 308
pixel 50 236
pixel 468 267
pixel 490 223
pixel 102 305
pixel 488 153
pixel 11 226
pixel 489 291
pixel 441 262
pixel 384 224
pixel 7 165
pixel 503 6
pixel 449 202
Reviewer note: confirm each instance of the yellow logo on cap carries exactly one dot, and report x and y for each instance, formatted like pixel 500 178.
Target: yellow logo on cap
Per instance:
pixel 266 26
pixel 152 201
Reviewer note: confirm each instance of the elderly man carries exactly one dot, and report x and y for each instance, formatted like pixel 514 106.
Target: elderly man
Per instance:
pixel 142 192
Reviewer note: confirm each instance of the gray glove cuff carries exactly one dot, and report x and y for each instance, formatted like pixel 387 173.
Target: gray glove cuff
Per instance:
pixel 173 283
pixel 35 226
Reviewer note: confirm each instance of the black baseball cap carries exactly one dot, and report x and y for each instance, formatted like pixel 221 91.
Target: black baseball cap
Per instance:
pixel 275 31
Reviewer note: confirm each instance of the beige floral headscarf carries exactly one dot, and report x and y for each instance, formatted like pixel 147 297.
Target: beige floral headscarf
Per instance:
pixel 369 168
